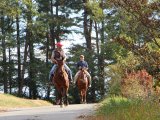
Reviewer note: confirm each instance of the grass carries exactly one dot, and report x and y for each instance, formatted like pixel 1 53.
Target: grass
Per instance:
pixel 9 101
pixel 118 108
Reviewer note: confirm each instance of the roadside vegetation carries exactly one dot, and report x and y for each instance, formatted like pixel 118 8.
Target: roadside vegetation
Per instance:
pixel 9 101
pixel 140 93
pixel 118 108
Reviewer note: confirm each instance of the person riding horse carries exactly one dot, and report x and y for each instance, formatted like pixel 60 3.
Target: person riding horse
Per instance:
pixel 82 64
pixel 58 54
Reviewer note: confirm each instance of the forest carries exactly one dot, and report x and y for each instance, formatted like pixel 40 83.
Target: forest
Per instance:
pixel 120 40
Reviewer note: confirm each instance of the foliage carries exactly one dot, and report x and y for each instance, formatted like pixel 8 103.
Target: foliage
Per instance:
pixel 114 52
pixel 9 7
pixel 126 78
pixel 118 108
pixel 118 71
pixel 115 55
pixel 95 10
pixel 137 85
pixel 138 32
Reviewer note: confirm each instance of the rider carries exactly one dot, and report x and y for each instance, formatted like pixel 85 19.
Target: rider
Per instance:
pixel 58 54
pixel 82 64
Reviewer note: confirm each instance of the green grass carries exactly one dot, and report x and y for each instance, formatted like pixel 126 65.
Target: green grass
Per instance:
pixel 118 108
pixel 10 101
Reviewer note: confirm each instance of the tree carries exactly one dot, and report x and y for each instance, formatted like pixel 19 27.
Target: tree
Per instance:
pixel 139 31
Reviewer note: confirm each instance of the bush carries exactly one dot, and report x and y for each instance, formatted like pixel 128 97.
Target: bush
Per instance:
pixel 137 85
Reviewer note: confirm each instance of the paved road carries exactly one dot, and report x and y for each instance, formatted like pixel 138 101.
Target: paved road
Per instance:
pixel 71 112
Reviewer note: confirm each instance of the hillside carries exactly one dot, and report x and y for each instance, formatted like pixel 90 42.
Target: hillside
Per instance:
pixel 9 101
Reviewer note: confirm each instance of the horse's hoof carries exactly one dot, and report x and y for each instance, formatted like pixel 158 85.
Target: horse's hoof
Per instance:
pixel 66 105
pixel 57 102
pixel 61 106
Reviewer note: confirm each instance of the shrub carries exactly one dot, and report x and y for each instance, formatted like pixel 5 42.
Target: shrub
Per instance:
pixel 137 85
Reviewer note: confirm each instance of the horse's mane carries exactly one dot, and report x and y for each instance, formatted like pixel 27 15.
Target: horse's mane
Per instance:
pixel 82 73
pixel 61 72
pixel 60 62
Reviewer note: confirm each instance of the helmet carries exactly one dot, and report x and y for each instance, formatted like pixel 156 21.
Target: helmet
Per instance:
pixel 59 44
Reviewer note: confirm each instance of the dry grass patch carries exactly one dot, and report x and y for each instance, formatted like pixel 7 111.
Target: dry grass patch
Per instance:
pixel 9 101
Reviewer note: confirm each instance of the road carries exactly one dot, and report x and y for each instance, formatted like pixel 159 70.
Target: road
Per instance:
pixel 71 112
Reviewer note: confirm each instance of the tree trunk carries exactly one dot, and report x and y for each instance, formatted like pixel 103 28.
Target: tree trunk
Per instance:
pixel 87 24
pixel 97 38
pixel 10 72
pixel 4 56
pixel 24 60
pixel 52 32
pixel 32 85
pixel 101 59
pixel 58 27
pixel 94 77
pixel 47 65
pixel 19 58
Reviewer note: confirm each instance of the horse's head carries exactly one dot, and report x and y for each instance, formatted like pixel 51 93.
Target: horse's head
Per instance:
pixel 61 70
pixel 60 63
pixel 82 73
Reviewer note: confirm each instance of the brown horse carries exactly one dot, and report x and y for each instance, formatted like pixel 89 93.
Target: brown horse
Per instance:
pixel 61 82
pixel 82 84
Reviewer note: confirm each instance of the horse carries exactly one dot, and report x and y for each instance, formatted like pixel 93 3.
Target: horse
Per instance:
pixel 61 83
pixel 82 84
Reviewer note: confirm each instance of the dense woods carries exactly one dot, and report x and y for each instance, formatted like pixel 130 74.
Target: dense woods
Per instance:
pixel 120 41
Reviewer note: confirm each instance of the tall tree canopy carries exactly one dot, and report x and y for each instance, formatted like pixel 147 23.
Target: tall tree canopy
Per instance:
pixel 112 32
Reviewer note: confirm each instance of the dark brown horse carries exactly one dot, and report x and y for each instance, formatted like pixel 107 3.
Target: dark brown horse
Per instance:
pixel 82 84
pixel 61 82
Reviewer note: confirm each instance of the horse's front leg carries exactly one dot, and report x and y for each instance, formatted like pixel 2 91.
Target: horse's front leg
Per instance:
pixel 61 97
pixel 66 98
pixel 84 97
pixel 59 101
pixel 57 94
pixel 81 97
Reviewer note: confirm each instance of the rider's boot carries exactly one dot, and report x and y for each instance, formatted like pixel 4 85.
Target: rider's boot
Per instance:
pixel 89 81
pixel 70 79
pixel 51 79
